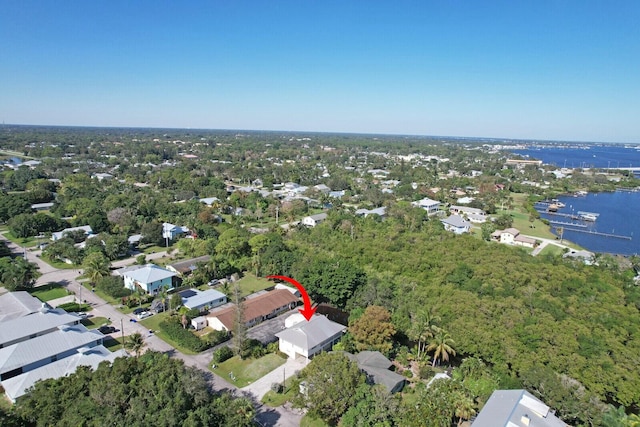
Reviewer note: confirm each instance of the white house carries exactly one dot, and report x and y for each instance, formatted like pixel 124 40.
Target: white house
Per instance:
pixel 313 220
pixel 150 278
pixel 516 408
pixel 170 231
pixel 60 234
pixel 457 224
pixel 512 236
pixel 194 299
pixel 431 206
pixel 42 322
pixel 306 339
pixel 199 323
pixel 473 214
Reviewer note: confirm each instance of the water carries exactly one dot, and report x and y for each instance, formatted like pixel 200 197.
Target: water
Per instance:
pixel 588 156
pixel 618 215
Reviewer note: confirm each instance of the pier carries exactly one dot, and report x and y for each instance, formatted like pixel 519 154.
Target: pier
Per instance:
pixel 572 216
pixel 572 224
pixel 596 233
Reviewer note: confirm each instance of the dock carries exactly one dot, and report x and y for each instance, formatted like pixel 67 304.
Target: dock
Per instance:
pixel 572 224
pixel 596 233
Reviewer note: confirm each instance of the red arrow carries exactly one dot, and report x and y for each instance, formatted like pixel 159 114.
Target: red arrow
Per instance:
pixel 307 311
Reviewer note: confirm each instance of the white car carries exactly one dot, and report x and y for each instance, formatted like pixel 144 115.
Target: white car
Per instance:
pixel 144 315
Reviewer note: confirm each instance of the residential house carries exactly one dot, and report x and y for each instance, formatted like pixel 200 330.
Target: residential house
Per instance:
pixel 199 323
pixel 42 322
pixel 150 278
pixel 376 367
pixel 313 220
pixel 512 236
pixel 188 266
pixel 60 234
pixel 194 299
pixel 509 408
pixel 588 258
pixel 457 224
pixel 309 338
pixel 381 212
pixel 103 176
pixel 472 214
pixel 42 206
pixel 322 188
pixel 294 291
pixel 85 356
pixel 431 206
pixel 17 304
pixel 33 353
pixel 209 201
pixel 171 232
pixel 256 309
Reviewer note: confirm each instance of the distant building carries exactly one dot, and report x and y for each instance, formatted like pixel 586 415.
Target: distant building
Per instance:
pixel 456 224
pixel 313 220
pixel 431 206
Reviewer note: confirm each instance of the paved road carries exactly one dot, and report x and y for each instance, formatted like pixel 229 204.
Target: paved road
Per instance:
pixel 266 416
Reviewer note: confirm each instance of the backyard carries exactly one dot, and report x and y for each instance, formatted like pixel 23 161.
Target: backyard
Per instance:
pixel 242 372
pixel 50 291
pixel 250 284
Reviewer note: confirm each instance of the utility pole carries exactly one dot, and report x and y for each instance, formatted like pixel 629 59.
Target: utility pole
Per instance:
pixel 277 212
pixel 122 332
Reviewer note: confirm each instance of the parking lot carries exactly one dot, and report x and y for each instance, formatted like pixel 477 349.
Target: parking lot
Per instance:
pixel 266 331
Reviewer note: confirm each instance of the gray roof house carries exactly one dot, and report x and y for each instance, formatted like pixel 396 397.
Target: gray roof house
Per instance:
pixel 313 220
pixel 457 224
pixel 202 300
pixel 17 386
pixel 188 265
pixel 60 234
pixel 17 304
pixel 28 355
pixel 376 367
pixel 308 338
pixel 516 408
pixel 150 278
pixel 37 324
pixel 381 212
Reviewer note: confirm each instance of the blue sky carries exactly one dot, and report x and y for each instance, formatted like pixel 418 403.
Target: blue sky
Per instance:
pixel 566 70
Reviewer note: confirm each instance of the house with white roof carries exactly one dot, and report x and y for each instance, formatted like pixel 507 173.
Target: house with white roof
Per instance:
pixel 381 212
pixel 42 322
pixel 171 232
pixel 150 278
pixel 60 234
pixel 510 408
pixel 85 356
pixel 28 355
pixel 456 224
pixel 472 214
pixel 313 220
pixel 309 338
pixel 512 236
pixel 194 299
pixel 431 206
pixel 17 304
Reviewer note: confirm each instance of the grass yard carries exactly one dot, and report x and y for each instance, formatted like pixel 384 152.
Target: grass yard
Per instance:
pixel 28 242
pixel 95 322
pixel 551 250
pixel 250 284
pixel 274 399
pixel 113 344
pixel 59 264
pixel 153 324
pixel 51 290
pixel 308 421
pixel 248 370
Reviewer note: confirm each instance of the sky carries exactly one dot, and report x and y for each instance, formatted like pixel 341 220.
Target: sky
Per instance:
pixel 539 69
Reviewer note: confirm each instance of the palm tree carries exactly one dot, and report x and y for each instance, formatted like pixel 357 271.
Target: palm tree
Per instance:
pixel 423 328
pixel 464 407
pixel 441 345
pixel 135 343
pixel 96 266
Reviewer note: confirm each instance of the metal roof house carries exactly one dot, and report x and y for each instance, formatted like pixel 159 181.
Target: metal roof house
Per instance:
pixel 457 224
pixel 431 206
pixel 313 220
pixel 150 278
pixel 28 355
pixel 14 305
pixel 17 386
pixel 188 265
pixel 308 338
pixel 516 408
pixel 60 234
pixel 34 325
pixel 376 367
pixel 194 299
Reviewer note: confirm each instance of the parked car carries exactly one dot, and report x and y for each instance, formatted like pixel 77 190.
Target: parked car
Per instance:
pixel 214 282
pixel 144 315
pixel 139 310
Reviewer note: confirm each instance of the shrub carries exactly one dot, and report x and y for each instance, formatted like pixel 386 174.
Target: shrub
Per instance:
pixel 74 307
pixel 183 337
pixel 222 354
pixel 273 347
pixel 141 259
pixel 407 373
pixel 277 388
pixel 426 371
pixel 217 337
pixel 113 286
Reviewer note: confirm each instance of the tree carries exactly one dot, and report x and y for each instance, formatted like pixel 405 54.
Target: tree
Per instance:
pixel 423 327
pixel 239 326
pixel 441 345
pixel 18 273
pixel 96 266
pixel 135 343
pixel 374 330
pixel 464 406
pixel 330 280
pixel 375 407
pixel 152 233
pixel 331 381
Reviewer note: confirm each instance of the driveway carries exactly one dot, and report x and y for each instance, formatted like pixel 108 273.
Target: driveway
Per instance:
pixel 265 331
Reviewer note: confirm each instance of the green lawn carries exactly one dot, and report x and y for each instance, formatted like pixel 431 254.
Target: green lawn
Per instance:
pixel 153 324
pixel 248 370
pixel 551 249
pixel 28 242
pixel 308 421
pixel 250 284
pixel 274 399
pixel 95 322
pixel 113 344
pixel 59 264
pixel 51 290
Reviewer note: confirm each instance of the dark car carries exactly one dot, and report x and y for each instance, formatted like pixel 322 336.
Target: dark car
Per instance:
pixel 139 310
pixel 107 329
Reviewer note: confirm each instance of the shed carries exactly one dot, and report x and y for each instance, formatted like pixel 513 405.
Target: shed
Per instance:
pixel 199 323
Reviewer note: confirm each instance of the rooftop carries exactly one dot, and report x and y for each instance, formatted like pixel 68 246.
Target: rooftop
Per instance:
pixel 17 304
pixel 189 265
pixel 149 273
pixel 516 408
pixel 261 305
pixel 308 335
pixel 198 298
pixel 34 324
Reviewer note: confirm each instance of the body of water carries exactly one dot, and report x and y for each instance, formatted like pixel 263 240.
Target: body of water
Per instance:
pixel 591 156
pixel 618 214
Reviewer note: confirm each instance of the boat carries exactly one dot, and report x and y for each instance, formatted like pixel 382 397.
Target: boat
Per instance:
pixel 558 203
pixel 580 193
pixel 588 216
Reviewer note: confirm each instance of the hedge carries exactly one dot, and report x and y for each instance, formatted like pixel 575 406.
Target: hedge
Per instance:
pixel 183 337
